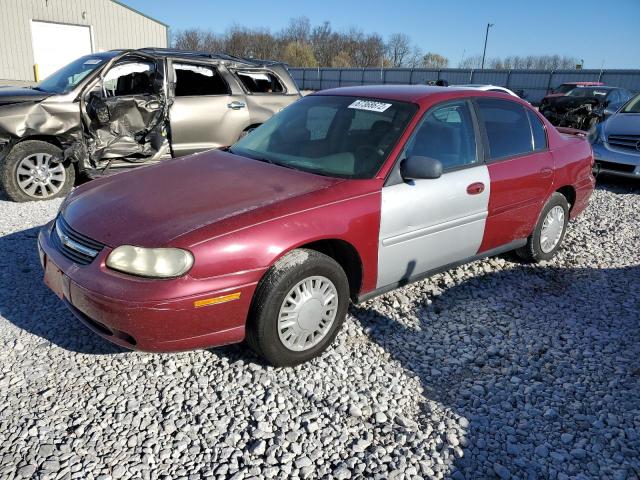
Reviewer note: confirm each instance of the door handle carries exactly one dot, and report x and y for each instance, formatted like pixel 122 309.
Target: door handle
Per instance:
pixel 236 105
pixel 475 188
pixel 546 172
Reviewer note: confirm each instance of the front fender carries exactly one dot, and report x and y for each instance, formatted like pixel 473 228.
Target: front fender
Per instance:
pixel 255 248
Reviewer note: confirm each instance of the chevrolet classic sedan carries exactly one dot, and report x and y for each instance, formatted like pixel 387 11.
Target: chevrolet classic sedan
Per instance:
pixel 342 196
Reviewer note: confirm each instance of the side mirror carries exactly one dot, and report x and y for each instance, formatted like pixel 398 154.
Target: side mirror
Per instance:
pixel 417 167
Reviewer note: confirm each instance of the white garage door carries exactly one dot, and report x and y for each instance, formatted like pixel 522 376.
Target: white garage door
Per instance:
pixel 56 44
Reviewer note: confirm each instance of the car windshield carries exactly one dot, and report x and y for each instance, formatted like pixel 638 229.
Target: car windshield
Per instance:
pixel 588 92
pixel 69 76
pixel 564 88
pixel 338 136
pixel 632 106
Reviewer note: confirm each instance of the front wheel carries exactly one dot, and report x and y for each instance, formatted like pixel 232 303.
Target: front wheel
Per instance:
pixel 298 308
pixel 30 172
pixel 545 241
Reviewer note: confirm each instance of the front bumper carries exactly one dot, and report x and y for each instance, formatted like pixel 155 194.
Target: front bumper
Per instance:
pixel 143 316
pixel 614 161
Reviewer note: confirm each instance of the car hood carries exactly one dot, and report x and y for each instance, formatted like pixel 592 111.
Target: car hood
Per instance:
pixel 17 95
pixel 566 102
pixel 153 205
pixel 623 124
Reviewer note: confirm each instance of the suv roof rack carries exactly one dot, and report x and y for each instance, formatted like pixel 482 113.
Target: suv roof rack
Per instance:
pixel 214 56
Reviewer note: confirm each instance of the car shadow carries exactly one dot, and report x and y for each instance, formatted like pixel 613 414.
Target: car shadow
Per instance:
pixel 499 347
pixel 617 184
pixel 26 301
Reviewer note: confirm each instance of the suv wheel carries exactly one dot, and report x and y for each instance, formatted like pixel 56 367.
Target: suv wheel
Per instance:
pixel 298 308
pixel 29 173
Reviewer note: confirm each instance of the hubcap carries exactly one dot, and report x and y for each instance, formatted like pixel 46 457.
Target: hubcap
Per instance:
pixel 39 177
pixel 307 313
pixel 552 229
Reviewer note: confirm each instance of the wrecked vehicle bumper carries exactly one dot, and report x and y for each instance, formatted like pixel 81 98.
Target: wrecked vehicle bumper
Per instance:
pixel 614 161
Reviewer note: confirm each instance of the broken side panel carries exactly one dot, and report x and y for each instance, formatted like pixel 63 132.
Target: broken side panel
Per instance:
pixel 125 115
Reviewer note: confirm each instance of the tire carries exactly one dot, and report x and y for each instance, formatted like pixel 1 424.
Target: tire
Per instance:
pixel 56 180
pixel 537 248
pixel 274 294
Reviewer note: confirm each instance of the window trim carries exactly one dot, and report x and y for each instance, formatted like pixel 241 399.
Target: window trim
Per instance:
pixel 394 177
pixel 173 80
pixel 236 75
pixel 485 137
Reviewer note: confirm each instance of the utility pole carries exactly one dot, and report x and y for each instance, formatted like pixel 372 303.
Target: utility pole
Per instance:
pixel 486 35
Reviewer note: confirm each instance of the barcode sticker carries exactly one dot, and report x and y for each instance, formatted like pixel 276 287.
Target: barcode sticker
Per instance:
pixel 370 105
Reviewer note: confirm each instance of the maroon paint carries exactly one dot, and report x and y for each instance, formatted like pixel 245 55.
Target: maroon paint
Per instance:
pixel 238 216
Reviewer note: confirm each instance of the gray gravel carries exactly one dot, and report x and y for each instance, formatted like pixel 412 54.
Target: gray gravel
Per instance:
pixel 493 370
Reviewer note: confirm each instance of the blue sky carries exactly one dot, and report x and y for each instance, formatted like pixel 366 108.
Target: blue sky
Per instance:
pixel 593 30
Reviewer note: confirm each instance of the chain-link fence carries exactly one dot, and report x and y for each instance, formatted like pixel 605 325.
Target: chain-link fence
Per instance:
pixel 530 84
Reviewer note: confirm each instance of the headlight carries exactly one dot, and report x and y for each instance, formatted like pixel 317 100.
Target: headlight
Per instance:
pixel 150 262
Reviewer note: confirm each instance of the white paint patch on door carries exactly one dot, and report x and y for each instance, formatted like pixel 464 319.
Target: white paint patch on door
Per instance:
pixel 56 44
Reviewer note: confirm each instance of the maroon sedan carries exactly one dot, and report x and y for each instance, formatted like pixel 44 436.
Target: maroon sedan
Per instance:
pixel 344 195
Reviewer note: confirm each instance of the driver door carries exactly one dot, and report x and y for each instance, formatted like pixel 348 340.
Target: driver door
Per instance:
pixel 126 110
pixel 429 223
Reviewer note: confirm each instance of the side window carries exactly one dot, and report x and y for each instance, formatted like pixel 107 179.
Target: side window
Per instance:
pixel 446 134
pixel 260 81
pixel 538 131
pixel 130 78
pixel 507 127
pixel 319 120
pixel 193 80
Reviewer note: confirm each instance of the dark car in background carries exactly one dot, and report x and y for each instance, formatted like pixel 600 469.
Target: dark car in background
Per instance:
pixel 112 111
pixel 616 141
pixel 583 107
pixel 566 87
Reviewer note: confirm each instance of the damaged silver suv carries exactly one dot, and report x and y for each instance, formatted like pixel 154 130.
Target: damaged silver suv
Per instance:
pixel 115 110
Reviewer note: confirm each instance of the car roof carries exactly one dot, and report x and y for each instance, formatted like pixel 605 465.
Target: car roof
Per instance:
pixel 409 93
pixel 192 54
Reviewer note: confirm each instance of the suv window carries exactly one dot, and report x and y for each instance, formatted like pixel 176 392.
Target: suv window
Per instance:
pixel 538 131
pixel 193 80
pixel 446 134
pixel 260 82
pixel 130 78
pixel 507 127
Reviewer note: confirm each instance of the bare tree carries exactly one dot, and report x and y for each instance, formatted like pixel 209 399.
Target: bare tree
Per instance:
pixel 299 54
pixel 398 49
pixel 434 60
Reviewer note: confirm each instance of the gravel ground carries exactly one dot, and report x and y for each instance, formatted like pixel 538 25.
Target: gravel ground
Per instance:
pixel 494 369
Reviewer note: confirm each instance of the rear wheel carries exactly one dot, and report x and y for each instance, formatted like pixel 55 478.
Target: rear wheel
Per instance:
pixel 298 308
pixel 30 172
pixel 545 241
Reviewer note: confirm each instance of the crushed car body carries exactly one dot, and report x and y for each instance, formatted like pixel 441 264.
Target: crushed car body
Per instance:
pixel 583 107
pixel 115 110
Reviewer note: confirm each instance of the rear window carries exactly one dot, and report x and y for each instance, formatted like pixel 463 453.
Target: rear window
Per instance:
pixel 194 80
pixel 260 81
pixel 507 127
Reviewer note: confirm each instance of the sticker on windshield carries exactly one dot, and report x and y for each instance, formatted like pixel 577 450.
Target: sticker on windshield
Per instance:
pixel 369 105
pixel 92 61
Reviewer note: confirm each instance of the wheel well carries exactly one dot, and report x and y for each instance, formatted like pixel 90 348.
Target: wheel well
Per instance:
pixel 347 257
pixel 569 193
pixel 43 138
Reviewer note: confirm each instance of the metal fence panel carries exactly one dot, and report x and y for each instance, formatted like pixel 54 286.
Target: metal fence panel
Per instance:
pixel 532 84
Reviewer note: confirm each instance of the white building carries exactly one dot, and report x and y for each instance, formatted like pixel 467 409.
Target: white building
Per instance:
pixel 39 36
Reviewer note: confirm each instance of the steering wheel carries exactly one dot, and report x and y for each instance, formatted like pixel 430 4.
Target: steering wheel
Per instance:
pixel 365 157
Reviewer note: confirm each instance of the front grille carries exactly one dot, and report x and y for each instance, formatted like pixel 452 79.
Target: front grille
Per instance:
pixel 618 167
pixel 73 245
pixel 628 142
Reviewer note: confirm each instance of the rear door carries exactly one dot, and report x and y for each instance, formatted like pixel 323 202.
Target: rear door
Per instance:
pixel 266 92
pixel 520 166
pixel 207 111
pixel 426 224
